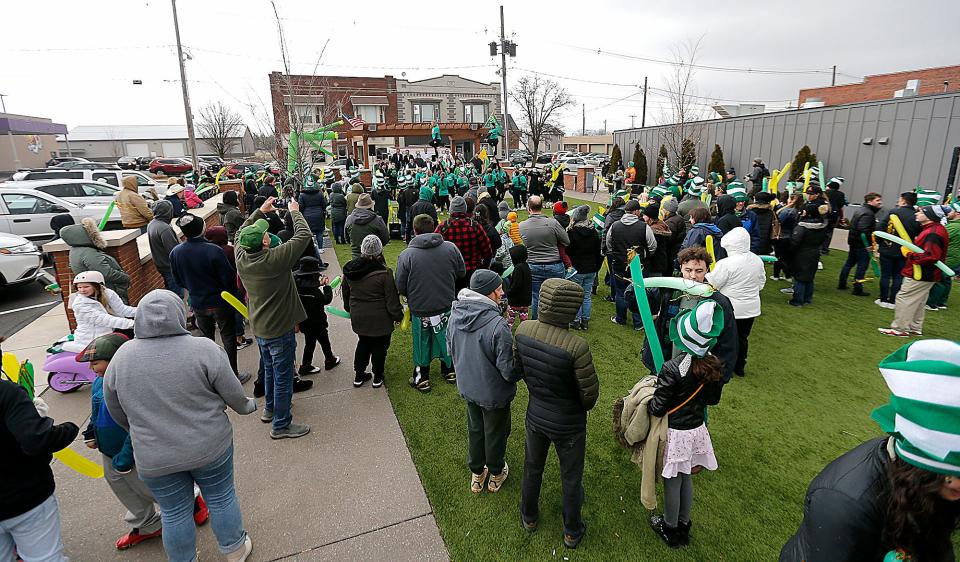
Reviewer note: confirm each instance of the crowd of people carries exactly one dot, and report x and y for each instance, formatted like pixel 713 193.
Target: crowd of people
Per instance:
pixel 495 300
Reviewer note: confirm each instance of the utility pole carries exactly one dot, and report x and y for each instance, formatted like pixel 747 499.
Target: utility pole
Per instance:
pixel 643 120
pixel 186 94
pixel 13 145
pixel 833 78
pixel 632 117
pixel 604 126
pixel 503 73
pixel 583 123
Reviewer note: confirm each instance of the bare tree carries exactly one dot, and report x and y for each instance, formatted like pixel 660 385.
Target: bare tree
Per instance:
pixel 684 111
pixel 116 146
pixel 540 100
pixel 219 126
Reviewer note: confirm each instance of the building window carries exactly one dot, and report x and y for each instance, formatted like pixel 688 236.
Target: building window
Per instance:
pixel 369 113
pixel 426 112
pixel 308 114
pixel 474 113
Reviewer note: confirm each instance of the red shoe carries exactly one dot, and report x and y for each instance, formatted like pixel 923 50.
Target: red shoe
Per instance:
pixel 200 512
pixel 134 538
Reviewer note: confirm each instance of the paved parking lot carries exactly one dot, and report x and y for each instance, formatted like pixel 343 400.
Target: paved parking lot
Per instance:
pixel 23 304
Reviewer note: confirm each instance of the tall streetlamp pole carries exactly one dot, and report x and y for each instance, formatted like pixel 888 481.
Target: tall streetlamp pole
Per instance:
pixel 186 94
pixel 503 73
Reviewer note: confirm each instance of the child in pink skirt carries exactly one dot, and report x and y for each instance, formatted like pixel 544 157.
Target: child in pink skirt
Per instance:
pixel 686 385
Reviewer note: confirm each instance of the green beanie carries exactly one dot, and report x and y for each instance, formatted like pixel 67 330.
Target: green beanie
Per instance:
pixel 250 237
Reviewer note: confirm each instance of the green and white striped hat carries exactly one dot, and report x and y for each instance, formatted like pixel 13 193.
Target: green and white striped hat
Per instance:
pixel 695 331
pixel 736 190
pixel 660 191
pixel 927 197
pixel 694 171
pixel 695 186
pixel 923 415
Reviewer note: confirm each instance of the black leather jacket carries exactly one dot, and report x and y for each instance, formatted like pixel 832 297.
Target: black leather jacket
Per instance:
pixel 673 389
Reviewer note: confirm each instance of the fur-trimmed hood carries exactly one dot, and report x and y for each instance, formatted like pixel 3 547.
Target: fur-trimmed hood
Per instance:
pixel 84 234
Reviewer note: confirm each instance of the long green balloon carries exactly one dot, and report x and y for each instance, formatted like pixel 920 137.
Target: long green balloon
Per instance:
pixel 913 248
pixel 679 284
pixel 873 262
pixel 337 312
pixel 336 282
pixel 106 216
pixel 768 259
pixel 507 272
pixel 640 291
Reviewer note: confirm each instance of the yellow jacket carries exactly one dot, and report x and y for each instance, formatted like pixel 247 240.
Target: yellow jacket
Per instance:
pixel 134 212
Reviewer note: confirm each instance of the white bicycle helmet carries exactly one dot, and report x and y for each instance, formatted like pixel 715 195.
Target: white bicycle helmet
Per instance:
pixel 89 277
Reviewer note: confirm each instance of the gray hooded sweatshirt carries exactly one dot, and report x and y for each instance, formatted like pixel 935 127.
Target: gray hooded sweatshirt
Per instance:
pixel 481 345
pixel 427 272
pixel 163 239
pixel 170 390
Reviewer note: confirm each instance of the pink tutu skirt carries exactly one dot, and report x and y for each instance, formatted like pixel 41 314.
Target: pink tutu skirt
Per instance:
pixel 686 449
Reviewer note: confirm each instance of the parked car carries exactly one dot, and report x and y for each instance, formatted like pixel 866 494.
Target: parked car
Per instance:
pixel 212 159
pixel 573 163
pixel 170 166
pixel 27 212
pixel 127 162
pixel 76 191
pixel 86 166
pixel 112 177
pixel 240 168
pixel 56 160
pixel 544 158
pixel 143 162
pixel 146 185
pixel 20 260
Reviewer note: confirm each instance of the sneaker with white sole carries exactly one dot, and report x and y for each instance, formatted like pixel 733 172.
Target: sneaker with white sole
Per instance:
pixel 477 481
pixel 931 308
pixel 497 480
pixel 266 416
pixel 893 332
pixel 787 291
pixel 292 431
pixel 243 552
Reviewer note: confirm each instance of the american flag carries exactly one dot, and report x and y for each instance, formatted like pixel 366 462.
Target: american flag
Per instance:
pixel 354 121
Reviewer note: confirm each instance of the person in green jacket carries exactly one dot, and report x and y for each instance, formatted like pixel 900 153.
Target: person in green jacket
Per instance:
pixel 87 254
pixel 490 181
pixel 443 193
pixel 519 190
pixel 355 190
pixel 265 266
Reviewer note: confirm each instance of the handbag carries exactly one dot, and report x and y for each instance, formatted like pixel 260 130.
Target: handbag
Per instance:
pixel 689 398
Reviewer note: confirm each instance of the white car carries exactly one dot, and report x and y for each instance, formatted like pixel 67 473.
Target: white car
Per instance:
pixel 20 260
pixel 111 177
pixel 75 191
pixel 27 212
pixel 573 163
pixel 146 185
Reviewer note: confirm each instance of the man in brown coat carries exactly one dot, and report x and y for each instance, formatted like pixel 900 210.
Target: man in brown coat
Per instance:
pixel 134 212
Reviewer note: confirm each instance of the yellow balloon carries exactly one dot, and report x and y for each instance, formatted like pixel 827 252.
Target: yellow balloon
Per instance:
pixel 902 233
pixel 713 256
pixel 235 303
pixel 11 367
pixel 78 463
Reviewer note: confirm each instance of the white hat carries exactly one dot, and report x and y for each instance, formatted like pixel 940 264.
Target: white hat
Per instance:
pixel 88 277
pixel 175 190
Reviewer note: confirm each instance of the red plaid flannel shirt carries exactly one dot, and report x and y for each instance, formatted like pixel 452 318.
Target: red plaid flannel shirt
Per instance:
pixel 469 237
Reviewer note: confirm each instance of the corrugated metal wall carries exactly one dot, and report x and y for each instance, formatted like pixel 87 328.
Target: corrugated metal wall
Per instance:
pixel 922 133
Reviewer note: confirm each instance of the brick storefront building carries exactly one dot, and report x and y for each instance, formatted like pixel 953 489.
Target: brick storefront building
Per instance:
pixel 882 86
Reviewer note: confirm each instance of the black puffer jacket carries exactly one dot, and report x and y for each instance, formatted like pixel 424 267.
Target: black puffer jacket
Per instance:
pixel 727 218
pixel 863 221
pixel 844 510
pixel 612 216
pixel 910 224
pixel 313 205
pixel 805 244
pixel 556 363
pixel 673 389
pixel 584 249
pixel 760 241
pixel 370 296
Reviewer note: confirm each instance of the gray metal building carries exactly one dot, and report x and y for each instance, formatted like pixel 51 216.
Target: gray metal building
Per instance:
pixel 887 146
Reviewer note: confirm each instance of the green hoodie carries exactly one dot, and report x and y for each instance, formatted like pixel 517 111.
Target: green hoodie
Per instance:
pixel 274 305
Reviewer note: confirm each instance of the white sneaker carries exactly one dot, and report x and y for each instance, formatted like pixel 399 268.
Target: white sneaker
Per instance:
pixel 241 553
pixel 878 302
pixel 787 291
pixel 819 265
pixel 775 278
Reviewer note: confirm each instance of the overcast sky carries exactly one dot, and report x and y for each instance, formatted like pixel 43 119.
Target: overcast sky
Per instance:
pixel 75 61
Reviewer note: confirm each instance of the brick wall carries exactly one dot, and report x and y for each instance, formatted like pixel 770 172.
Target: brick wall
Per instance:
pixel 882 86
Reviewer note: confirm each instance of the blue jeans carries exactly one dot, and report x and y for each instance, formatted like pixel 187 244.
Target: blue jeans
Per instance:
pixel 619 288
pixel 585 280
pixel 278 355
pixel 170 283
pixel 540 272
pixel 890 278
pixel 859 257
pixel 318 238
pixel 802 293
pixel 338 232
pixel 35 534
pixel 174 494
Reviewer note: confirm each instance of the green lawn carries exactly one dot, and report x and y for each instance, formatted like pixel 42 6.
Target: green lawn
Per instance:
pixel 811 384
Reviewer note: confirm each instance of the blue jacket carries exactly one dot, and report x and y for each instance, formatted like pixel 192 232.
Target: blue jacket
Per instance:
pixel 697 236
pixel 202 268
pixel 112 440
pixel 749 221
pixel 313 205
pixel 178 207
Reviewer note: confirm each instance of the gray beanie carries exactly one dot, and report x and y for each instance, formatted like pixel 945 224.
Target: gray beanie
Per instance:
pixel 371 246
pixel 579 214
pixel 485 281
pixel 503 209
pixel 458 205
pixel 671 205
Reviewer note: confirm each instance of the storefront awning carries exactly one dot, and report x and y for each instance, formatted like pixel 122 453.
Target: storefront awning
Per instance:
pixel 368 100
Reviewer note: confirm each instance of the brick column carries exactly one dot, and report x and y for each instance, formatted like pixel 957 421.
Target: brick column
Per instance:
pixel 234 185
pixel 366 177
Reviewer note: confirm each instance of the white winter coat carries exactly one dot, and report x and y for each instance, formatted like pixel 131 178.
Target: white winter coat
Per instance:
pixel 739 276
pixel 94 321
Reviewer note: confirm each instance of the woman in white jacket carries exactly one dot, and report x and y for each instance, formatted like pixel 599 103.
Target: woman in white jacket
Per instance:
pixel 740 277
pixel 98 310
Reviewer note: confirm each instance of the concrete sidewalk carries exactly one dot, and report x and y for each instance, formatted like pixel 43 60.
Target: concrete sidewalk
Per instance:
pixel 347 491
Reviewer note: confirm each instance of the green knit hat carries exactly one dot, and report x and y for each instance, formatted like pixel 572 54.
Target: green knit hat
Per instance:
pixel 695 331
pixel 715 177
pixel 103 347
pixel 736 190
pixel 927 197
pixel 250 237
pixel 923 415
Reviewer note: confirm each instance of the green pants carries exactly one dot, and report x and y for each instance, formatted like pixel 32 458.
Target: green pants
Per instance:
pixel 430 339
pixel 487 432
pixel 940 292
